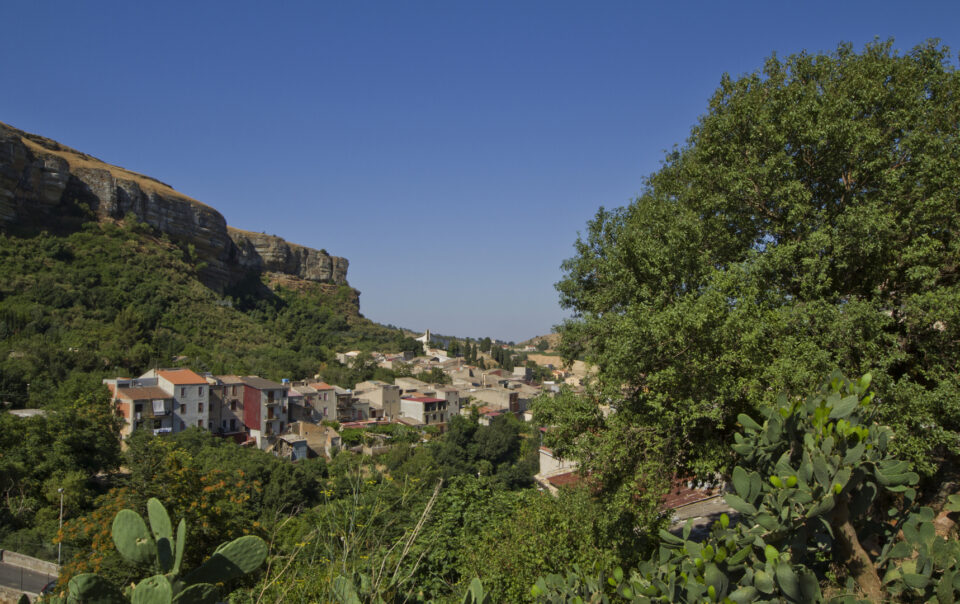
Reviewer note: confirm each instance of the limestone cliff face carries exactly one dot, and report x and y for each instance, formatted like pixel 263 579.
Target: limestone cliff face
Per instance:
pixel 267 253
pixel 41 179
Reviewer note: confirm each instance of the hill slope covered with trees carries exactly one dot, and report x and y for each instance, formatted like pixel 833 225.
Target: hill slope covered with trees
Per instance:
pixel 116 298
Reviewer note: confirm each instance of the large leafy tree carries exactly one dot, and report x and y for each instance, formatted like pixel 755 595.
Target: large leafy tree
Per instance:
pixel 810 222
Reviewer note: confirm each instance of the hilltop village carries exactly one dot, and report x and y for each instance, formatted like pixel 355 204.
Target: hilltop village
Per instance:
pixel 297 419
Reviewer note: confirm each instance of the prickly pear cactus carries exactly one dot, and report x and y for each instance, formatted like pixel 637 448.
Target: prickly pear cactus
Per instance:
pixel 89 587
pixel 230 561
pixel 810 473
pixel 162 549
pixel 153 590
pixel 475 594
pixel 132 538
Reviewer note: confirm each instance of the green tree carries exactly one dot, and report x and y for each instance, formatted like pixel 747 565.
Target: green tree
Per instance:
pixel 542 345
pixel 65 448
pixel 810 222
pixel 408 344
pixel 434 376
pixel 814 487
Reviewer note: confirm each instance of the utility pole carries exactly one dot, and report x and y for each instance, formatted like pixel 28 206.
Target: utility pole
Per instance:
pixel 59 535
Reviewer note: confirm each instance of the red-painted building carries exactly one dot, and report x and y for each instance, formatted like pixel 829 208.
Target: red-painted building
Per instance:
pixel 264 409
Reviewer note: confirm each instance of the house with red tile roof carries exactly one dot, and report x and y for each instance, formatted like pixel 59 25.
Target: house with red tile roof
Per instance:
pixel 325 405
pixel 142 407
pixel 191 396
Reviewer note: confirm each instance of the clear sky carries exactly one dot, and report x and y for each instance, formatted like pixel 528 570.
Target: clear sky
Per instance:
pixel 450 150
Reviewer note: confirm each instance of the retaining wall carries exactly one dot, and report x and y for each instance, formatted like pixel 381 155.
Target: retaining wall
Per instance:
pixel 41 566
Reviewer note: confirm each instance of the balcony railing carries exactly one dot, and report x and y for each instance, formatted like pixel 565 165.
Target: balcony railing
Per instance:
pixel 150 414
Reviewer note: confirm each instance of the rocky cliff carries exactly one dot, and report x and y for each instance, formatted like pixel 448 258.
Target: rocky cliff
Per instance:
pixel 41 181
pixel 267 253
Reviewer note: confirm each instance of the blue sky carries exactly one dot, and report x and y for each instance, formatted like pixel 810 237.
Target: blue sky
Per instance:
pixel 450 150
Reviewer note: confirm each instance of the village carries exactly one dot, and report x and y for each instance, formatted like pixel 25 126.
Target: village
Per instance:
pixel 297 419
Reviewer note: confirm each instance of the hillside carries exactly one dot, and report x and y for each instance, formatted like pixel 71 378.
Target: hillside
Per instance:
pixel 553 340
pixel 106 272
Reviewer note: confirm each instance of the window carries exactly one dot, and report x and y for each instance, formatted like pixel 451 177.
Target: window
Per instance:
pixel 223 424
pixel 183 408
pixel 157 424
pixel 138 408
pixel 183 391
pixel 233 405
pixel 233 425
pixel 199 407
pixel 210 426
pixel 200 390
pixel 199 423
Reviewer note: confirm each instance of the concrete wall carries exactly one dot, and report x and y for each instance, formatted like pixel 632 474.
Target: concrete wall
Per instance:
pixel 191 404
pixel 8 595
pixel 550 464
pixel 41 566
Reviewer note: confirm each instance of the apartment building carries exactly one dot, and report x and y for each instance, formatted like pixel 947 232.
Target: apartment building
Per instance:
pixel 425 410
pixel 142 406
pixel 264 409
pixel 191 396
pixel 226 404
pixel 325 403
pixel 383 398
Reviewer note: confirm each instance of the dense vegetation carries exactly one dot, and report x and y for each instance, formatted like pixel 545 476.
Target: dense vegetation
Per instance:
pixel 109 300
pixel 809 223
pixel 323 519
pixel 39 455
pixel 821 500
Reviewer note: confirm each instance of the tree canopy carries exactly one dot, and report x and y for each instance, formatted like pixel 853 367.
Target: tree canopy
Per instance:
pixel 808 223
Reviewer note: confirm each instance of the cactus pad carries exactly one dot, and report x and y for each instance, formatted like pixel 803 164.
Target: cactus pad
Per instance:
pixel 132 538
pixel 231 560
pixel 153 590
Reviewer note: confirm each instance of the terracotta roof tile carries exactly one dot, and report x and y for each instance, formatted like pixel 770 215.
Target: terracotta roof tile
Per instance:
pixel 140 394
pixel 562 480
pixel 181 376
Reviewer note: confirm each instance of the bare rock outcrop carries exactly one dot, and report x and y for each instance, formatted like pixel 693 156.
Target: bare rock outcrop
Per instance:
pixel 268 253
pixel 42 180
